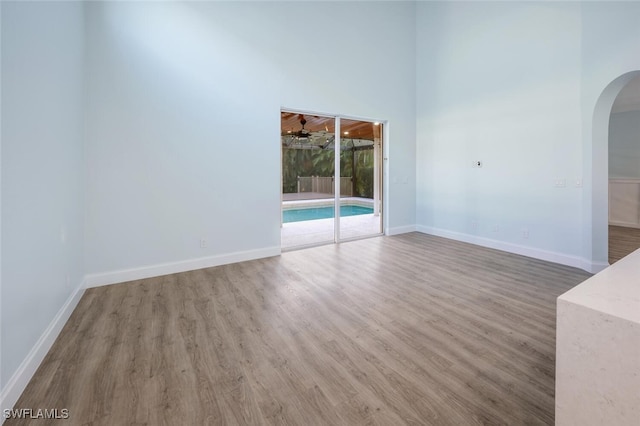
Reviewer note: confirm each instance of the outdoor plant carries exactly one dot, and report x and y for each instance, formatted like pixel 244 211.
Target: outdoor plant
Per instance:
pixel 320 162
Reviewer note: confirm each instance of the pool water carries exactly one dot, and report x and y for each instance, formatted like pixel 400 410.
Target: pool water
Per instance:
pixel 298 215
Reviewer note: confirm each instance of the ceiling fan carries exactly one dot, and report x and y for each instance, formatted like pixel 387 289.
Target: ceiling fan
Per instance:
pixel 302 133
pixel 304 138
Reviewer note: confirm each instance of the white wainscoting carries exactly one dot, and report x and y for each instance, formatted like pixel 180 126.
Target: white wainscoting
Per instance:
pixel 624 202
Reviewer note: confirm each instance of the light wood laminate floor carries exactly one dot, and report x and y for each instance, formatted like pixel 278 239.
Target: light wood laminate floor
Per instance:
pixel 410 329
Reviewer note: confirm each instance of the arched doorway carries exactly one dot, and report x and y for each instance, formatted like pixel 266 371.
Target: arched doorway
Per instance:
pixel 624 172
pixel 598 244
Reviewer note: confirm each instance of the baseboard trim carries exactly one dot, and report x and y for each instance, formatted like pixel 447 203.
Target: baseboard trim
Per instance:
pixel 401 230
pixel 28 367
pixel 593 267
pixel 124 275
pixel 625 224
pixel 549 256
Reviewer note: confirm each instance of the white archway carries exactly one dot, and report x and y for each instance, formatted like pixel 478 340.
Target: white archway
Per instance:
pixel 597 248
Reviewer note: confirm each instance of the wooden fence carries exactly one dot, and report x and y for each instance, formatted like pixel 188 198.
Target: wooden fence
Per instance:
pixel 325 185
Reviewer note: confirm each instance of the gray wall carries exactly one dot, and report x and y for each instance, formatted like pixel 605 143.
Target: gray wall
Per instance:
pixel 492 87
pixel 183 116
pixel 624 145
pixel 42 170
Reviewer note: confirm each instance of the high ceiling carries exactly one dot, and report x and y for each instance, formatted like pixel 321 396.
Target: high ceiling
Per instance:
pixel 291 122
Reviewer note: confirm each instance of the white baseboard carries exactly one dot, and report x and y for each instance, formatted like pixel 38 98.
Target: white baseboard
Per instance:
pixel 401 230
pixel 624 224
pixel 593 267
pixel 20 379
pixel 549 256
pixel 124 275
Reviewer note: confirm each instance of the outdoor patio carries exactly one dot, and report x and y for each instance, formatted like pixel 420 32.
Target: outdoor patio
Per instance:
pixel 295 234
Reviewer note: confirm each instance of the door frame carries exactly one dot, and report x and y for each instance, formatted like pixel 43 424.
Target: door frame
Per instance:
pixel 383 168
pixel 596 201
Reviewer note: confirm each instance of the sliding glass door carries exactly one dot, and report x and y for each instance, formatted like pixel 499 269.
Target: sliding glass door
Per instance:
pixel 360 144
pixel 308 166
pixel 331 179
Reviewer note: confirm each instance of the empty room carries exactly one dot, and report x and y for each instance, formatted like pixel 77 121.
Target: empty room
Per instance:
pixel 146 273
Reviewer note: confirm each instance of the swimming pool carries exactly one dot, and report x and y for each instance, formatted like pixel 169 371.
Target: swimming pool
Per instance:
pixel 298 215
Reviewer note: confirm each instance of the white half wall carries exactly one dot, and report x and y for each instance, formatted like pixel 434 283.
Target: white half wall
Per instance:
pixel 42 181
pixel 184 115
pixel 598 348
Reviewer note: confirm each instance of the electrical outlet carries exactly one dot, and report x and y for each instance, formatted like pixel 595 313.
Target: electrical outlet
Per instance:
pixel 203 243
pixel 474 225
pixel 559 183
pixel 525 233
pixel 496 228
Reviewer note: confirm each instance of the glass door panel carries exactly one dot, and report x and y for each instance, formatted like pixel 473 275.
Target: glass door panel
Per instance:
pixel 308 167
pixel 360 179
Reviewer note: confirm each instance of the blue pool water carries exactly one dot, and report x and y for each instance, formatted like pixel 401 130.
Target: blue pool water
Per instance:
pixel 298 215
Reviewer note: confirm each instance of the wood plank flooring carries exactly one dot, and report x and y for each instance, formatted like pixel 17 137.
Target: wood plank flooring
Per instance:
pixel 411 329
pixel 622 241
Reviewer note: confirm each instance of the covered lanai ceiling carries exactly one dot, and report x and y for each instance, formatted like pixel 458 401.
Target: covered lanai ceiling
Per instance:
pixel 363 130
